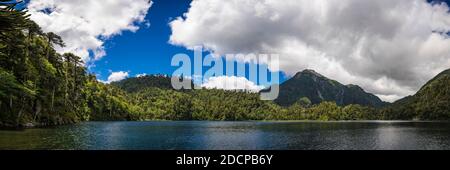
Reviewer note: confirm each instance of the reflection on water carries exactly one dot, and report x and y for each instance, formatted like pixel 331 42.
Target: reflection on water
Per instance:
pixel 234 135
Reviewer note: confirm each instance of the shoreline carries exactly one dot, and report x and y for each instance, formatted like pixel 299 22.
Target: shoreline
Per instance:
pixel 43 126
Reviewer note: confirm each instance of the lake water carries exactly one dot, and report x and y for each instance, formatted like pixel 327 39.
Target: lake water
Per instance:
pixel 234 135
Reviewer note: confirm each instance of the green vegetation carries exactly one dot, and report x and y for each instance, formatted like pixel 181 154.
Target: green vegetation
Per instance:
pixel 136 84
pixel 432 102
pixel 166 104
pixel 39 87
pixel 319 88
pixel 201 105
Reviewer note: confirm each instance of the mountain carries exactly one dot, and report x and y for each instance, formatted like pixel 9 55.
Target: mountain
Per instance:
pixel 318 88
pixel 431 102
pixel 138 83
pixel 135 84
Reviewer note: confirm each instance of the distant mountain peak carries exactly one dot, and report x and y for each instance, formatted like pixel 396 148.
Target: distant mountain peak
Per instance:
pixel 318 88
pixel 136 84
pixel 309 72
pixel 355 87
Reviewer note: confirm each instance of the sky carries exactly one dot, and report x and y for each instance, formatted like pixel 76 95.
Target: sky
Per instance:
pixel 389 47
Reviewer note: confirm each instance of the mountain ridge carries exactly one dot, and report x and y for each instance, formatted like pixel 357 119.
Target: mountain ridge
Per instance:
pixel 318 88
pixel 431 102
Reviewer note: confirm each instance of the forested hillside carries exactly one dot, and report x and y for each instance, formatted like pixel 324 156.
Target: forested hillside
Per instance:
pixel 318 88
pixel 41 87
pixel 136 84
pixel 162 103
pixel 431 102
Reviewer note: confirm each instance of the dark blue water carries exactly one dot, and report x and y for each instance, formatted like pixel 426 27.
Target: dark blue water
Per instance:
pixel 234 135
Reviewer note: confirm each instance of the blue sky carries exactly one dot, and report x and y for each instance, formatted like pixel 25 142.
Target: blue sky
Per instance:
pixel 446 1
pixel 146 51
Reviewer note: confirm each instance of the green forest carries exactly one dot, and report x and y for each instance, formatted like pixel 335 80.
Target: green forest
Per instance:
pixel 40 87
pixel 163 103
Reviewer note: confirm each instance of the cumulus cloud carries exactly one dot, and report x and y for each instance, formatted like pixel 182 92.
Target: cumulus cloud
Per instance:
pixel 231 83
pixel 388 47
pixel 84 25
pixel 117 76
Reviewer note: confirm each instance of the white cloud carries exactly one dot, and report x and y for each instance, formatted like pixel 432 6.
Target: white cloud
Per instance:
pixel 231 83
pixel 84 25
pixel 388 47
pixel 117 76
pixel 141 75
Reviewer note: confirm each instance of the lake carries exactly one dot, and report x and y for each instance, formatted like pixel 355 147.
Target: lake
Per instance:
pixel 199 135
